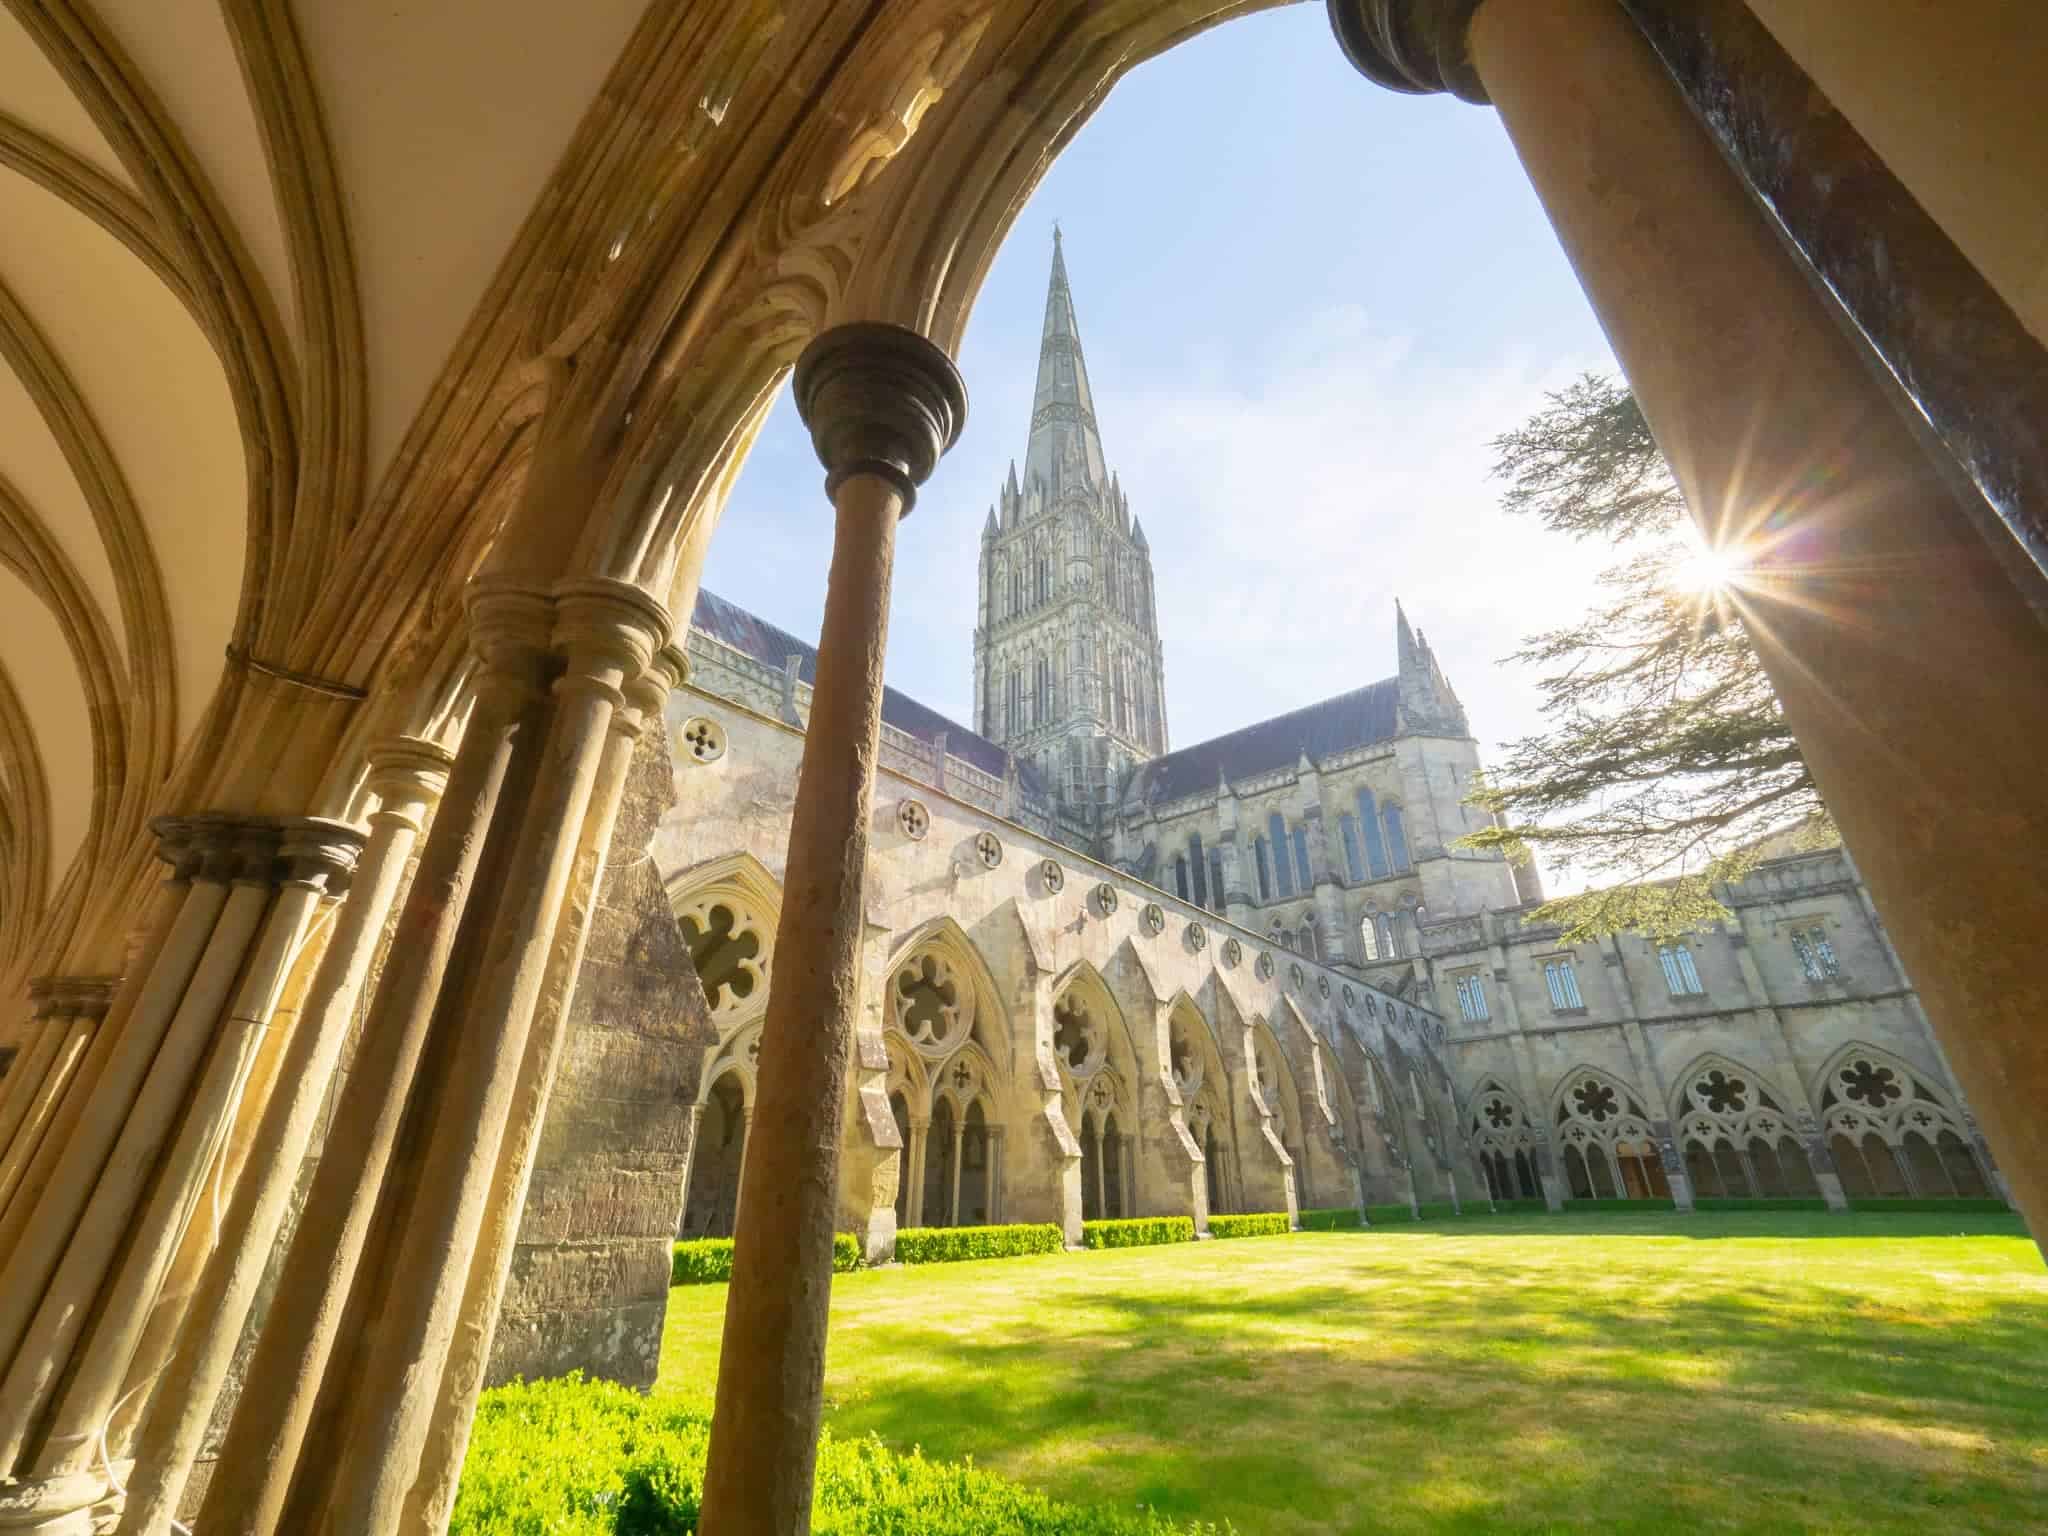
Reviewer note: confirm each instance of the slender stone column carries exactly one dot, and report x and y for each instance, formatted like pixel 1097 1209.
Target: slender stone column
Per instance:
pixel 315 857
pixel 609 632
pixel 432 1495
pixel 47 1344
pixel 59 1179
pixel 1101 1179
pixel 322 1291
pixel 18 1089
pixel 740 1190
pixel 406 776
pixel 920 1131
pixel 995 1176
pixel 26 1169
pixel 1909 663
pixel 85 1003
pixel 882 404
pixel 959 1143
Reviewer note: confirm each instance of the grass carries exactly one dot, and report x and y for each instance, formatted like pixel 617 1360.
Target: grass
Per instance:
pixel 1772 1372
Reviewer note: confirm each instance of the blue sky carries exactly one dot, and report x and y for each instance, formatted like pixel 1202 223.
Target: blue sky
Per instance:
pixel 1306 304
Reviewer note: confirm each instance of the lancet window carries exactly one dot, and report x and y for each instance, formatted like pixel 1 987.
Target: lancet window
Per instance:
pixel 1369 829
pixel 1397 835
pixel 1283 865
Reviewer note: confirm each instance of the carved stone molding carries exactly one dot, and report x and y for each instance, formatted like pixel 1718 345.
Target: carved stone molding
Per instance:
pixel 879 400
pixel 1415 46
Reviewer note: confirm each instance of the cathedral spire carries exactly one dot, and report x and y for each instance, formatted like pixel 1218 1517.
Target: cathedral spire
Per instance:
pixel 1065 445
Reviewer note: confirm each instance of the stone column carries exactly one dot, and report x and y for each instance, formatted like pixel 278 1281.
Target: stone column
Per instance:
pixel 26 1169
pixel 315 858
pixel 882 404
pixel 322 1296
pixel 78 1007
pixel 1101 1185
pixel 432 1495
pixel 406 776
pixel 46 1026
pixel 995 1176
pixel 959 1146
pixel 81 1255
pixel 1909 663
pixel 913 1203
pixel 606 632
pixel 746 1135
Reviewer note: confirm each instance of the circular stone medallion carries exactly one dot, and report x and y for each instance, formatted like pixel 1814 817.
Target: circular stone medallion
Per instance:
pixel 1155 917
pixel 1055 878
pixel 1105 898
pixel 1233 952
pixel 1263 967
pixel 914 819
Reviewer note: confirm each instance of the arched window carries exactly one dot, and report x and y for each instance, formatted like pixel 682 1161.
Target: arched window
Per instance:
pixel 1044 580
pixel 1354 859
pixel 1390 942
pixel 1397 836
pixel 1199 867
pixel 1017 590
pixel 1309 946
pixel 1369 932
pixel 1042 707
pixel 1265 875
pixel 1014 700
pixel 1302 877
pixel 1180 878
pixel 1369 828
pixel 1283 866
pixel 1215 879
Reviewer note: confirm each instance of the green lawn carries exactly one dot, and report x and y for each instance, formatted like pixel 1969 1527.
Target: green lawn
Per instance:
pixel 1740 1372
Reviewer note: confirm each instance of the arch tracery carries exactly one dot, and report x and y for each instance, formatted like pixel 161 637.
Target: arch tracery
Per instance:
pixel 1608 1148
pixel 1892 1131
pixel 1736 1134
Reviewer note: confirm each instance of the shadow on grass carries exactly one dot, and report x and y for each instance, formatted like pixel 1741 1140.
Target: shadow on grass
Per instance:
pixel 1334 1383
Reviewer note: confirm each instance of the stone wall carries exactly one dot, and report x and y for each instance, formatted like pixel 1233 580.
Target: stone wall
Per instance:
pixel 589 1280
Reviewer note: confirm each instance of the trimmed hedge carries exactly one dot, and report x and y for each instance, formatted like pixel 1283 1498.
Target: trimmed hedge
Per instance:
pixel 1520 1205
pixel 1379 1215
pixel 1256 1224
pixel 1137 1231
pixel 571 1457
pixel 1948 1204
pixel 708 1260
pixel 1342 1218
pixel 1742 1203
pixel 942 1245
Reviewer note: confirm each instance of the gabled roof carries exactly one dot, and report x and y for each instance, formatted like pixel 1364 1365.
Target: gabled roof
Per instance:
pixel 754 636
pixel 1355 719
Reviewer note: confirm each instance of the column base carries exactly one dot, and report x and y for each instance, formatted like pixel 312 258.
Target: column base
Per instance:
pixel 1831 1191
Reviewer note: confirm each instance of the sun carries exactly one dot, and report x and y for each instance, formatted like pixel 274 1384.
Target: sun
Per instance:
pixel 1707 572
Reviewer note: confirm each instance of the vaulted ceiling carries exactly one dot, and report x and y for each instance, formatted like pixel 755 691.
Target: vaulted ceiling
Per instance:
pixel 238 241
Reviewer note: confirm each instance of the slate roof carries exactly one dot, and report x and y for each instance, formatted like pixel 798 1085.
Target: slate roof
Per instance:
pixel 1353 719
pixel 754 636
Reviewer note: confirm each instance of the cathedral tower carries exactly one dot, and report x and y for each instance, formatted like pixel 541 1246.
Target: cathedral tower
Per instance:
pixel 1067 664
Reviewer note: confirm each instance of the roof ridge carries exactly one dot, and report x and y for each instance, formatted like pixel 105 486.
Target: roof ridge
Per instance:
pixel 1284 715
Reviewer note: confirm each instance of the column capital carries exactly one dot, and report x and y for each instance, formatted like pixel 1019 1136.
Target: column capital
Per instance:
pixel 608 632
pixel 1414 46
pixel 879 400
pixel 73 996
pixel 510 627
pixel 318 854
pixel 406 773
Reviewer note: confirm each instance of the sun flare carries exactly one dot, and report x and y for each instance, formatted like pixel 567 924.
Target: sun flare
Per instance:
pixel 1706 572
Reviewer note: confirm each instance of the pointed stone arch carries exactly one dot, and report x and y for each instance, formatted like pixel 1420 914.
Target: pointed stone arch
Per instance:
pixel 1197 1072
pixel 1507 1139
pixel 1603 1126
pixel 729 909
pixel 940 996
pixel 1895 1130
pixel 1737 1132
pixel 1096 1058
